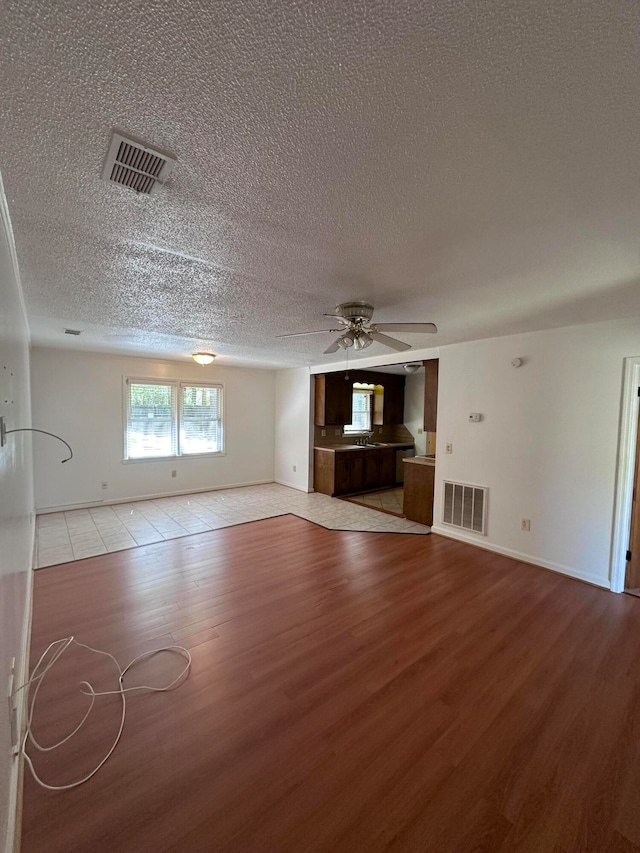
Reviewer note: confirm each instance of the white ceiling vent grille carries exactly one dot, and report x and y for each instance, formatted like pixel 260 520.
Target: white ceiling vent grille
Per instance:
pixel 465 506
pixel 132 164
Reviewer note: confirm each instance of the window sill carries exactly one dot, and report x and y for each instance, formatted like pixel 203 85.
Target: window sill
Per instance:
pixel 174 458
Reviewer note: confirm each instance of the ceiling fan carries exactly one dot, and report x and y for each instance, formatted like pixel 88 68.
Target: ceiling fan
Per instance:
pixel 357 330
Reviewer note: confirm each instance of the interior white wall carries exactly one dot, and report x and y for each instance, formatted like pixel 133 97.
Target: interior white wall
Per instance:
pixel 16 508
pixel 294 429
pixel 414 409
pixel 547 444
pixel 79 396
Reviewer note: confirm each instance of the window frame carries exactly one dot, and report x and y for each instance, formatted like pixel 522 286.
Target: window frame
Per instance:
pixel 177 385
pixel 364 392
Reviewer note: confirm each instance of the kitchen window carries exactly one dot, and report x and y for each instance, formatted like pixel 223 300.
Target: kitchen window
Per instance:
pixel 361 410
pixel 164 419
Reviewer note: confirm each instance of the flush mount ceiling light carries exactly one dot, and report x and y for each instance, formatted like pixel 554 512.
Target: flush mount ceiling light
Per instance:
pixel 203 357
pixel 412 366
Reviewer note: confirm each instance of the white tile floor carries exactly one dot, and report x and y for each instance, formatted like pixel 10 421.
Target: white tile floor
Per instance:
pixel 79 533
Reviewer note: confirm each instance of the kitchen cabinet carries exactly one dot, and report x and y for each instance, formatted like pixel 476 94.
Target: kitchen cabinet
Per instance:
pixel 344 472
pixel 430 395
pixel 348 472
pixel 394 401
pixel 333 395
pixel 419 479
pixel 371 469
pixel 387 468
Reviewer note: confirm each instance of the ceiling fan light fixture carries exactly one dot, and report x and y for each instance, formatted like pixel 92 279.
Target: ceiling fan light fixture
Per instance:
pixel 346 340
pixel 203 357
pixel 362 341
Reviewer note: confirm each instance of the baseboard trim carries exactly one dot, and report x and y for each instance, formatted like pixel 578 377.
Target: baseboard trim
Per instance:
pixel 293 486
pixel 14 826
pixel 88 504
pixel 522 558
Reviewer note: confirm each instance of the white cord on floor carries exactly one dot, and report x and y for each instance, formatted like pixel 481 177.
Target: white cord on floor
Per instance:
pixel 37 678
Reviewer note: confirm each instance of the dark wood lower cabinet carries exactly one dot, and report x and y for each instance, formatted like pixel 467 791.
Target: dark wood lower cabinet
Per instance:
pixel 348 472
pixel 418 491
pixel 371 469
pixel 387 469
pixel 343 472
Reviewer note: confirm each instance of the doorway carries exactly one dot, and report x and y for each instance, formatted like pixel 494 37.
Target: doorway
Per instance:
pixel 632 576
pixel 626 509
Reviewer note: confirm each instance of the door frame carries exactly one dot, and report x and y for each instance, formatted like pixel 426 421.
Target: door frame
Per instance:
pixel 625 471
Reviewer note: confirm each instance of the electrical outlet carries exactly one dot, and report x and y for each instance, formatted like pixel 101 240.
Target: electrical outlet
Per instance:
pixel 174 473
pixel 448 448
pixel 105 484
pixel 337 432
pixel 294 469
pixel 419 430
pixel 324 432
pixel 525 524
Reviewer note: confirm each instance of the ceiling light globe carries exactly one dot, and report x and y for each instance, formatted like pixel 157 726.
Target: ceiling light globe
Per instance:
pixel 203 357
pixel 345 342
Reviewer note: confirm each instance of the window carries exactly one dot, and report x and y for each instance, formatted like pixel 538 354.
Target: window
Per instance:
pixel 360 410
pixel 165 419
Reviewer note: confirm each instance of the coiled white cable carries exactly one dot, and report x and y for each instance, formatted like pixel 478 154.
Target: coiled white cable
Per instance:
pixel 38 677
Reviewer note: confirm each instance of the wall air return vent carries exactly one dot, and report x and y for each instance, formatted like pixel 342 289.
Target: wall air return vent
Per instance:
pixel 74 332
pixel 465 506
pixel 133 165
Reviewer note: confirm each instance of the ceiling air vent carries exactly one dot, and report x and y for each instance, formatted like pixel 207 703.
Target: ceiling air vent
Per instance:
pixel 75 332
pixel 132 164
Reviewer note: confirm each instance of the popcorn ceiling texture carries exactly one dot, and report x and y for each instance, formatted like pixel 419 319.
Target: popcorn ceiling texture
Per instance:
pixel 471 164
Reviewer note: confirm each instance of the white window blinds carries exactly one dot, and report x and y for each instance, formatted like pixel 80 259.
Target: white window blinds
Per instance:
pixel 151 420
pixel 360 411
pixel 200 419
pixel 165 419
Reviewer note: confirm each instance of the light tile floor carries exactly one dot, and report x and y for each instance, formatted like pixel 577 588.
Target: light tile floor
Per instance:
pixel 73 535
pixel 390 500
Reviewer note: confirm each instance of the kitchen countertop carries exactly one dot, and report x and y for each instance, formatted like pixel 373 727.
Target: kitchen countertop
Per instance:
pixel 332 448
pixel 420 460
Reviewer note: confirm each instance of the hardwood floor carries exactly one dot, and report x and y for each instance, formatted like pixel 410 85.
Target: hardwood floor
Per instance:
pixel 350 691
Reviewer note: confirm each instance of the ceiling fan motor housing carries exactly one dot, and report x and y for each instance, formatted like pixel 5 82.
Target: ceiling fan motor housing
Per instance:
pixel 355 312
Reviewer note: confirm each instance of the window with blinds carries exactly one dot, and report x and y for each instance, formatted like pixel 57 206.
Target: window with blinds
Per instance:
pixel 168 419
pixel 361 403
pixel 200 419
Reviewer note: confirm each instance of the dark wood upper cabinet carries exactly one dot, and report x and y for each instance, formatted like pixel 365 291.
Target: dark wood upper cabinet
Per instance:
pixel 430 395
pixel 333 399
pixel 333 396
pixel 394 401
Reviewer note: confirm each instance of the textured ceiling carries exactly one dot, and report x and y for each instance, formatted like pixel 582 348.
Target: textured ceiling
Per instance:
pixel 471 164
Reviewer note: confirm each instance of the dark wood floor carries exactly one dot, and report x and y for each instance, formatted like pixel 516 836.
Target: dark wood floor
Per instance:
pixel 350 691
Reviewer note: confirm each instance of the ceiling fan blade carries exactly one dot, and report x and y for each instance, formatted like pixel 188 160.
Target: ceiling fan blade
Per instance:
pixel 316 332
pixel 389 342
pixel 335 346
pixel 338 317
pixel 408 327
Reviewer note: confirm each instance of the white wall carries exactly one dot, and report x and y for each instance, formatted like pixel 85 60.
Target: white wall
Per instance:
pixel 294 429
pixel 16 508
pixel 79 396
pixel 547 444
pixel 414 409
